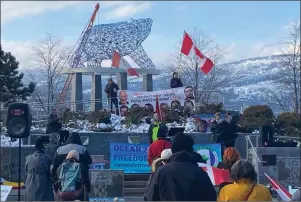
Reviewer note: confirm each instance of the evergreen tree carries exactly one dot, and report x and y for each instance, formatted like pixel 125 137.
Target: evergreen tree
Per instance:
pixel 11 87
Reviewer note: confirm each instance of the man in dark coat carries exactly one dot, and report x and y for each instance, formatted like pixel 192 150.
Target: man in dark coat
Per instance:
pixel 175 82
pixel 111 89
pixel 38 184
pixel 54 124
pixel 72 143
pixel 181 179
pixel 53 144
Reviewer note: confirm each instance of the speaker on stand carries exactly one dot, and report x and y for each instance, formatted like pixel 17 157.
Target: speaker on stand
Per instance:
pixel 266 136
pixel 18 126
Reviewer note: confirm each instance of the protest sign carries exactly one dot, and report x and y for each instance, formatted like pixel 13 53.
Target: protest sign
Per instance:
pixel 183 96
pixel 5 190
pixel 209 152
pixel 131 158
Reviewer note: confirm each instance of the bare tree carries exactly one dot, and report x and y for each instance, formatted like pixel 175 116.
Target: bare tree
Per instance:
pixel 285 90
pixel 190 72
pixel 50 56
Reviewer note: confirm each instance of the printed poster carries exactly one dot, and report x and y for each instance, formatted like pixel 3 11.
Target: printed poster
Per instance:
pixel 131 158
pixel 183 96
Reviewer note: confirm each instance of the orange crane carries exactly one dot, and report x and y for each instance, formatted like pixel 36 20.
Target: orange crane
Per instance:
pixel 86 30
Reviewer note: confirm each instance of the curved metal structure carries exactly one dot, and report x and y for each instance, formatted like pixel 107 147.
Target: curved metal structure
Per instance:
pixel 99 42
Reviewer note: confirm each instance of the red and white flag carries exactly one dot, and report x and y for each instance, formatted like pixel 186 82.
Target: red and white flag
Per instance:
pixel 120 62
pixel 216 175
pixel 189 49
pixel 282 192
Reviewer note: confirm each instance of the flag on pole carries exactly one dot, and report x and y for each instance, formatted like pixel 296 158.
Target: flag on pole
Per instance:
pixel 190 49
pixel 281 191
pixel 216 175
pixel 157 109
pixel 120 62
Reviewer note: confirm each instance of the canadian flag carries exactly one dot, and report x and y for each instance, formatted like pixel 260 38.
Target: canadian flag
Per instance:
pixel 120 62
pixel 189 49
pixel 216 175
pixel 282 192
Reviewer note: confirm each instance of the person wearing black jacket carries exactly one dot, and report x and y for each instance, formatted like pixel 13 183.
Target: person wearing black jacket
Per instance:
pixel 175 82
pixel 53 144
pixel 54 124
pixel 72 143
pixel 111 89
pixel 181 179
pixel 224 131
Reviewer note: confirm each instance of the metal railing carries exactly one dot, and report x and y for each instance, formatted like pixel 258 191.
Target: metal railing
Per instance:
pixel 254 150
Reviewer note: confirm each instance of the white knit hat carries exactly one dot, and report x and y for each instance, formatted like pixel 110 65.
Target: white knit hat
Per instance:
pixel 166 153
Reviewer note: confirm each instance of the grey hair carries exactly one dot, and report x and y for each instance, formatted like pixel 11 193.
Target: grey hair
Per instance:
pixel 243 169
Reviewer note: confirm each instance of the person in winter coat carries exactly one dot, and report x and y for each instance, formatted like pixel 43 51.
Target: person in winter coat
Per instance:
pixel 230 157
pixel 82 196
pixel 223 132
pixel 165 154
pixel 229 140
pixel 175 82
pixel 111 90
pixel 38 184
pixel 54 124
pixel 156 148
pixel 72 143
pixel 245 187
pixel 53 144
pixel 181 179
pixel 198 158
pixel 154 128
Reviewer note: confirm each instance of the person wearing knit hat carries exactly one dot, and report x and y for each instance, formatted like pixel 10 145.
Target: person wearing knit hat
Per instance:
pixel 181 179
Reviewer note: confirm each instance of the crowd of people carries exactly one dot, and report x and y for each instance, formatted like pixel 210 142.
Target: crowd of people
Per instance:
pixel 59 172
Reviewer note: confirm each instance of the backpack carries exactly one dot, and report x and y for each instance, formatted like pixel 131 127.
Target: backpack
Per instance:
pixel 69 179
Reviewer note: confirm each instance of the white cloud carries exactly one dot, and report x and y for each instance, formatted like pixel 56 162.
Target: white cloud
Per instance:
pixel 15 9
pixel 21 50
pixel 128 10
pixel 11 10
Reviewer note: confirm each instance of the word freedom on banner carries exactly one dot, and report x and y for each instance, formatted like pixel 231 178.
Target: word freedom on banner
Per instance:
pixel 131 158
pixel 183 96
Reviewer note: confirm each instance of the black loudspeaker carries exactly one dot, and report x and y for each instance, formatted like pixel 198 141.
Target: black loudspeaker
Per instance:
pixel 267 136
pixel 18 120
pixel 64 134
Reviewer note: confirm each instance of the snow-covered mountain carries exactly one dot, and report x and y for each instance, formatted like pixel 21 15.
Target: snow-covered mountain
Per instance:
pixel 252 74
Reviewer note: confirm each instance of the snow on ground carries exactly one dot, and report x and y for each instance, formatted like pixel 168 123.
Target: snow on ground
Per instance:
pixel 116 125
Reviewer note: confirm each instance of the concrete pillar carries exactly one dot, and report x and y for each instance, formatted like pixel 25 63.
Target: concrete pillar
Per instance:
pixel 77 92
pixel 96 93
pixel 122 81
pixel 148 82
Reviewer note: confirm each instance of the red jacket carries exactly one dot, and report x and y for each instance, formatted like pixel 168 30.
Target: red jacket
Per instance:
pixel 156 148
